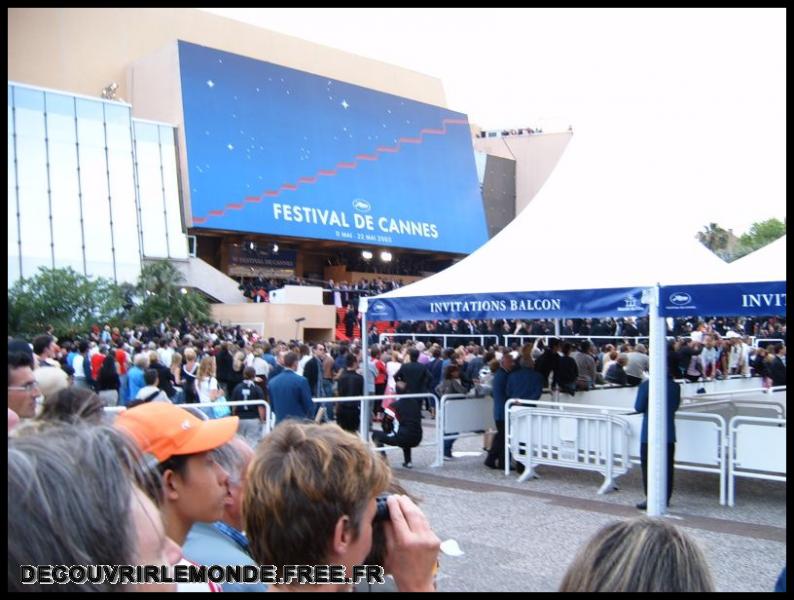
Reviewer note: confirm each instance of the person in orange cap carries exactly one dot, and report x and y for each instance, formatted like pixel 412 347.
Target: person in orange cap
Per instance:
pixel 195 486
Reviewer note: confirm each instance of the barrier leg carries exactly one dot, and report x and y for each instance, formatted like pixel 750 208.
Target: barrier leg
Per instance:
pixel 439 462
pixel 529 473
pixel 607 486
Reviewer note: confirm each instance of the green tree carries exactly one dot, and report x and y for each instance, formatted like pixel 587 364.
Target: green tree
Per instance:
pixel 761 234
pixel 65 299
pixel 163 295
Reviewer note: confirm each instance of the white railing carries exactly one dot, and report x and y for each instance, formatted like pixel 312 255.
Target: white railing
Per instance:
pixel 750 398
pixel 465 415
pixel 444 336
pixel 366 414
pixel 756 449
pixel 585 441
pixel 268 424
pixel 546 338
pixel 773 341
pixel 701 445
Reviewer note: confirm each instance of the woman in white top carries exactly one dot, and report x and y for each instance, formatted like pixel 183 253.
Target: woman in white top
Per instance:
pixel 391 369
pixel 206 384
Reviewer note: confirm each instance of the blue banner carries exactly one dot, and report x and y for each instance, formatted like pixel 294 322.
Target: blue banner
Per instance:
pixel 725 300
pixel 620 302
pixel 280 151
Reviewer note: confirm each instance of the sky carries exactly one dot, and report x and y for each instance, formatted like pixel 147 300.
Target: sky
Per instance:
pixel 679 113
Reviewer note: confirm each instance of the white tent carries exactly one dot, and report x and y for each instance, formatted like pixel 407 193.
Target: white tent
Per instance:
pixel 593 236
pixel 564 240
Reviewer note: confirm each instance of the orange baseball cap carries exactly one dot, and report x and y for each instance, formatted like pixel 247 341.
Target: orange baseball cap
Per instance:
pixel 165 430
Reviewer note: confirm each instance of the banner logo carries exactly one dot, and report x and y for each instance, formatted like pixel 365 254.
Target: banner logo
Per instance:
pixel 630 304
pixel 378 307
pixel 361 205
pixel 680 298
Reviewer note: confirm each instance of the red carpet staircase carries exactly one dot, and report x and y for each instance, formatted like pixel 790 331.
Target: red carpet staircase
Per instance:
pixel 383 326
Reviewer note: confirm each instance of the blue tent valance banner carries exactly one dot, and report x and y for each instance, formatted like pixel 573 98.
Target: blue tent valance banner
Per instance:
pixel 615 302
pixel 724 299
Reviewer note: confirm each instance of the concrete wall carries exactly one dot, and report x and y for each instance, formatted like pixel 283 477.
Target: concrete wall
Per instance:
pixel 535 156
pixel 82 50
pixel 279 319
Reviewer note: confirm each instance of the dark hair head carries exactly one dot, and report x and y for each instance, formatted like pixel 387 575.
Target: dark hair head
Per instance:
pixel 150 376
pixel 19 359
pixel 452 371
pixel 249 373
pixel 41 343
pixel 350 360
pixel 413 353
pixel 290 359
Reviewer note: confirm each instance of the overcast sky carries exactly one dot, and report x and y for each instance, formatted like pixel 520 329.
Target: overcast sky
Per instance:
pixel 680 107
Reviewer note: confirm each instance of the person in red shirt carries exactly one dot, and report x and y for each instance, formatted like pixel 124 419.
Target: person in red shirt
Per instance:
pixel 96 362
pixel 380 380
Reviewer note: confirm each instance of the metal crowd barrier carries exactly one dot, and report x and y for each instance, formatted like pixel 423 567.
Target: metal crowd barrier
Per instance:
pixel 444 336
pixel 267 426
pixel 584 441
pixel 756 450
pixel 466 415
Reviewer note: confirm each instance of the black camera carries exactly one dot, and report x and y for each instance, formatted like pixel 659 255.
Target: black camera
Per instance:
pixel 381 509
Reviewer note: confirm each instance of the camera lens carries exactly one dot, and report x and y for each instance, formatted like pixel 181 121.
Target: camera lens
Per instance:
pixel 381 509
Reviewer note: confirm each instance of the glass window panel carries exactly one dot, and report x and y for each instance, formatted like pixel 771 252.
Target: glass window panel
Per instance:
pixel 177 240
pixel 60 118
pixel 150 190
pixel 125 217
pixel 13 233
pixel 90 127
pixel 34 210
pixel 96 212
pixel 67 230
pixel 117 119
pixel 29 112
pixel 64 199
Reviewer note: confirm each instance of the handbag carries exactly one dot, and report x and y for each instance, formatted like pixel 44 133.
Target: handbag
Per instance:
pixel 221 410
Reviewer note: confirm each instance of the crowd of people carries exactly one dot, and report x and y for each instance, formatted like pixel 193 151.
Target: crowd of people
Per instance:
pixel 204 485
pixel 258 289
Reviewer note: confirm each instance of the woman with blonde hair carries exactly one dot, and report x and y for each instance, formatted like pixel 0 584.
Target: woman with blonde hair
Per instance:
pixel 207 385
pixel 176 377
pixel 640 555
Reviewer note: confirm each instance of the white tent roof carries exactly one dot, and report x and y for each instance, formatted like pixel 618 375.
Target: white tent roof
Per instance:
pixel 585 229
pixel 765 264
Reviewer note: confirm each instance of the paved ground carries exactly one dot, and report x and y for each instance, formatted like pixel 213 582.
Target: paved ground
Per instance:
pixel 523 536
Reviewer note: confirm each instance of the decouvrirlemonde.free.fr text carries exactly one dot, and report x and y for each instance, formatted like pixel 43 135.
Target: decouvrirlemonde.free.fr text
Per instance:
pixel 135 574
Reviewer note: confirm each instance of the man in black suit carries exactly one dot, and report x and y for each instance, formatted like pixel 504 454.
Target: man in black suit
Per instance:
pixel 775 368
pixel 415 376
pixel 350 383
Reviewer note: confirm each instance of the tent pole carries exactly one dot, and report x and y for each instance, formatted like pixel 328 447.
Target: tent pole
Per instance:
pixel 365 412
pixel 657 411
pixel 556 328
